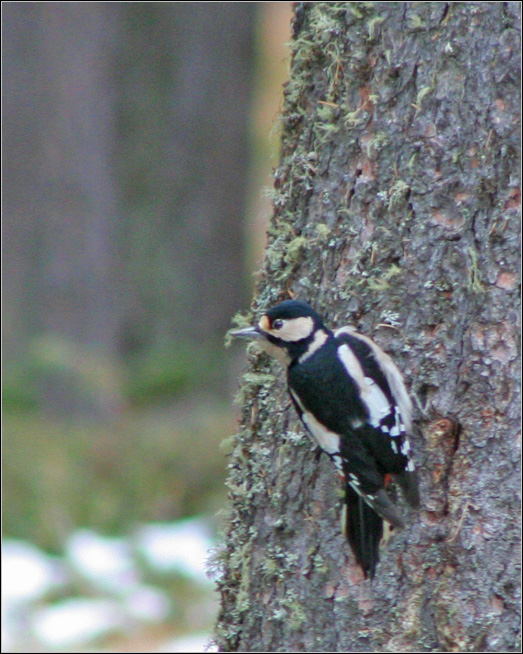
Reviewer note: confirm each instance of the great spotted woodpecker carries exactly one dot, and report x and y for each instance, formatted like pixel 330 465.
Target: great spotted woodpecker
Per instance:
pixel 351 398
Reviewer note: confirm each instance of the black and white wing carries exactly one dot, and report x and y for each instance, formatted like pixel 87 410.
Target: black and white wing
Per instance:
pixel 389 407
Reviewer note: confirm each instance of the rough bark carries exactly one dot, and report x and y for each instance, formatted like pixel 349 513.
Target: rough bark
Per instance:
pixel 395 209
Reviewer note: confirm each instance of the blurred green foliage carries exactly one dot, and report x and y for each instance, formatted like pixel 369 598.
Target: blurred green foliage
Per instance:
pixel 19 389
pixel 152 455
pixel 166 372
pixel 143 466
pixel 157 375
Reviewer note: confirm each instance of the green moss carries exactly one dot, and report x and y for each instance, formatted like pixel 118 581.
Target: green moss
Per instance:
pixel 326 112
pixel 397 193
pixel 257 379
pixel 412 161
pixel 227 444
pixel 295 249
pixel 475 283
pixel 322 230
pixel 382 283
pixel 373 27
pixel 376 143
pixel 239 320
pixel 355 10
pixel 422 94
pixel 415 22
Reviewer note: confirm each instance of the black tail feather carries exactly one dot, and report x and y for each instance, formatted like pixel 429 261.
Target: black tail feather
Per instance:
pixel 409 485
pixel 364 531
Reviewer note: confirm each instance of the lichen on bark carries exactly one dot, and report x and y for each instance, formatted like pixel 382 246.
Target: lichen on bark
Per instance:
pixel 396 207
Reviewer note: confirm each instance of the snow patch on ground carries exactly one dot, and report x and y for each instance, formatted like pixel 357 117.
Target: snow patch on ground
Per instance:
pixel 110 572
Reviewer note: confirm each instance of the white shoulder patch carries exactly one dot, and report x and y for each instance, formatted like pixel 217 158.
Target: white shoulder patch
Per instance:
pixel 371 394
pixel 391 372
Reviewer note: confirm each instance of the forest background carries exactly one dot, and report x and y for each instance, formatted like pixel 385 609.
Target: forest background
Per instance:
pixel 133 135
pixel 138 139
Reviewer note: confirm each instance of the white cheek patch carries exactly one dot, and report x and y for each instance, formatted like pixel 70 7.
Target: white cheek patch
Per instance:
pixel 295 329
pixel 327 440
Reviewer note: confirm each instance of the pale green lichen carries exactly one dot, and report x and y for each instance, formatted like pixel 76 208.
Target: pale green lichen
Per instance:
pixel 397 193
pixel 375 144
pixel 294 250
pixel 239 320
pixel 416 22
pixel 374 26
pixel 422 94
pixel 382 283
pixel 475 283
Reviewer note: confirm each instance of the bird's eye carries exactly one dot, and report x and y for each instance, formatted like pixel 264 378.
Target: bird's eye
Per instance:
pixel 277 324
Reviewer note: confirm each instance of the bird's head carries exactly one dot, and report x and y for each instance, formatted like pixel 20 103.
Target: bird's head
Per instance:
pixel 290 326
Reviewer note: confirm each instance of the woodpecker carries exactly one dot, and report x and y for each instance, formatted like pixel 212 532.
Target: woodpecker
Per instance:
pixel 351 398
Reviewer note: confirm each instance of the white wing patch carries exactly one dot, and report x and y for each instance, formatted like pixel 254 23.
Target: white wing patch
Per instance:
pixel 374 398
pixel 391 372
pixel 326 439
pixel 371 394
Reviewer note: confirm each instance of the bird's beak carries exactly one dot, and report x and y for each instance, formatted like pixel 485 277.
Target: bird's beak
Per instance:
pixel 249 333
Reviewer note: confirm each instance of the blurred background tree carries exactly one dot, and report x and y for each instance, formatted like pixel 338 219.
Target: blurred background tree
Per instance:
pixel 137 139
pixel 131 159
pixel 125 186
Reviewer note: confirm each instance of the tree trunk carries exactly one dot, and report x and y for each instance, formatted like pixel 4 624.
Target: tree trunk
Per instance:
pixel 395 209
